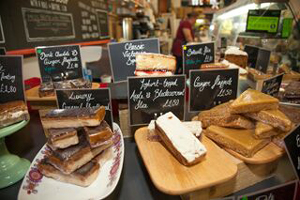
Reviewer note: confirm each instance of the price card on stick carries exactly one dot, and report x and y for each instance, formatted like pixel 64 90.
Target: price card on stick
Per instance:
pixel 80 98
pixel 209 88
pixel 252 52
pixel 271 86
pixel 11 79
pixel 263 59
pixel 122 56
pixel 150 97
pixel 292 146
pixel 59 62
pixel 284 191
pixel 196 54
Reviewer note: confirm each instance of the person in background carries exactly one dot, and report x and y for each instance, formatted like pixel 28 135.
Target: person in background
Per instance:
pixel 184 35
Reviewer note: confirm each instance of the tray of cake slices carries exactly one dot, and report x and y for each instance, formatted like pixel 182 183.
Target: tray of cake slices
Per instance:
pixel 82 159
pixel 46 91
pixel 251 127
pixel 289 93
pixel 179 158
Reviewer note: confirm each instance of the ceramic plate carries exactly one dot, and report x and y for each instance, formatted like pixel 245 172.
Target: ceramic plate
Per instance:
pixel 36 186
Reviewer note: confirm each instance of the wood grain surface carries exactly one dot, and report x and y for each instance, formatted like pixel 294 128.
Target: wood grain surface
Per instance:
pixel 171 177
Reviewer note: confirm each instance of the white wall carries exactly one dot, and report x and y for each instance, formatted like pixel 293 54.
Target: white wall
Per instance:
pixel 30 67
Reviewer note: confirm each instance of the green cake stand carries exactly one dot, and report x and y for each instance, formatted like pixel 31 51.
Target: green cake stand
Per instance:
pixel 12 168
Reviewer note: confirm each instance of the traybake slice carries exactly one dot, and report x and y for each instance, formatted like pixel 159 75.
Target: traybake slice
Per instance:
pixel 221 116
pixel 76 117
pixel 13 112
pixel 263 130
pixel 179 140
pixel 60 138
pixel 274 118
pixel 241 141
pixel 253 101
pixel 84 176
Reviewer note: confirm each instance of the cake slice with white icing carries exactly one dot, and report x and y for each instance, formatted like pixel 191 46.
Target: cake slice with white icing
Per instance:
pixel 179 140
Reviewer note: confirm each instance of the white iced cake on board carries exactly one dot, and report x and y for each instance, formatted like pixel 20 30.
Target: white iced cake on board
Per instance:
pixel 154 64
pixel 179 140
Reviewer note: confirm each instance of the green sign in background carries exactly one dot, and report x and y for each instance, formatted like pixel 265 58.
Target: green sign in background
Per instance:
pixel 259 23
pixel 287 25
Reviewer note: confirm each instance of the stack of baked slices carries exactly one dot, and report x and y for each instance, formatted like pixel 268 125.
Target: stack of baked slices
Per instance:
pixel 77 139
pixel 247 124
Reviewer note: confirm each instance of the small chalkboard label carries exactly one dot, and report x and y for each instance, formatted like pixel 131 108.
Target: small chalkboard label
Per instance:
pixel 271 86
pixel 284 191
pixel 209 88
pixel 2 51
pixel 122 56
pixel 150 97
pixel 59 62
pixel 292 145
pixel 196 54
pixel 252 52
pixel 81 98
pixel 263 59
pixel 11 79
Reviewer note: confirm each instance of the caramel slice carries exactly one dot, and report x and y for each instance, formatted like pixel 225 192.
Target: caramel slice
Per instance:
pixel 62 137
pixel 253 101
pixel 13 112
pixel 221 116
pixel 241 141
pixel 73 118
pixel 98 135
pixel 274 118
pixel 84 176
pixel 263 130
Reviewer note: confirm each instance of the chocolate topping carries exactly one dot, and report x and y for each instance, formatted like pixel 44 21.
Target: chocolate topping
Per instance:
pixel 64 154
pixel 59 133
pixel 85 169
pixel 73 112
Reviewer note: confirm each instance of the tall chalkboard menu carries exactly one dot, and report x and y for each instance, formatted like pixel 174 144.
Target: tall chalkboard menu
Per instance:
pixel 51 22
pixel 11 79
pixel 150 97
pixel 196 54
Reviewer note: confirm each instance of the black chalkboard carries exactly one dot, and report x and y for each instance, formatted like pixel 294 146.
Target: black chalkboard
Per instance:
pixel 196 54
pixel 149 97
pixel 263 59
pixel 252 52
pixel 284 191
pixel 209 88
pixel 292 145
pixel 271 86
pixel 122 56
pixel 59 61
pixel 80 98
pixel 50 22
pixel 103 23
pixel 2 39
pixel 11 79
pixel 2 51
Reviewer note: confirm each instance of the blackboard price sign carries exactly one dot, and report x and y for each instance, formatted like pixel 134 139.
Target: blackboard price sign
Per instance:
pixel 122 56
pixel 196 54
pixel 209 88
pixel 2 51
pixel 59 62
pixel 292 145
pixel 103 23
pixel 263 59
pixel 271 86
pixel 150 97
pixel 11 79
pixel 81 98
pixel 252 52
pixel 284 191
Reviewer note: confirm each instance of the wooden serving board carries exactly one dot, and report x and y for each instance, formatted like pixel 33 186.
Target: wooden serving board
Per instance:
pixel 171 177
pixel 268 154
pixel 33 94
